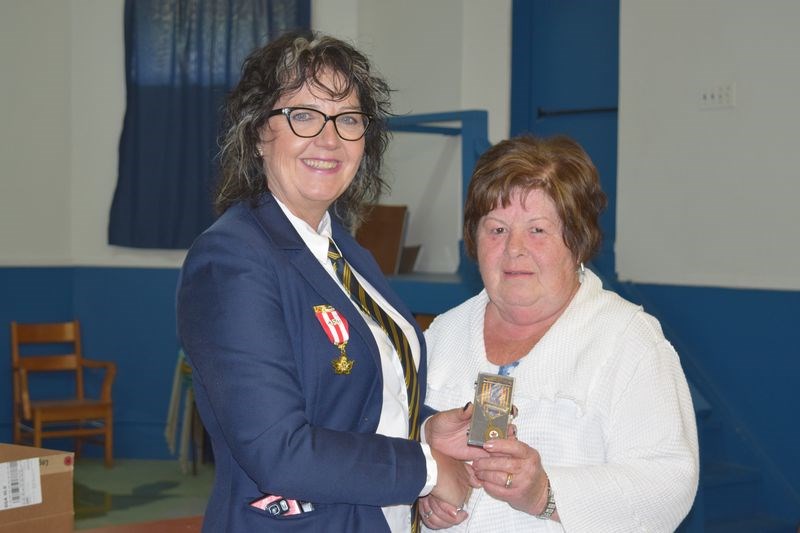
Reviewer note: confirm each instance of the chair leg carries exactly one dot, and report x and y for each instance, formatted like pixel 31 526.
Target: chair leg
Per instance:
pixel 17 430
pixel 37 431
pixel 109 442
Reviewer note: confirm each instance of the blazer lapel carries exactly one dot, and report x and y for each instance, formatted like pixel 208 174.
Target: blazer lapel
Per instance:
pixel 278 228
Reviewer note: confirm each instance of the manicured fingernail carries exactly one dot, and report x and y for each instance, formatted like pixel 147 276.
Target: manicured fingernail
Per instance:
pixel 466 406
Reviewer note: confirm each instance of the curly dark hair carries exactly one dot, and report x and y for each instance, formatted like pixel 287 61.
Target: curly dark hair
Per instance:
pixel 282 67
pixel 558 166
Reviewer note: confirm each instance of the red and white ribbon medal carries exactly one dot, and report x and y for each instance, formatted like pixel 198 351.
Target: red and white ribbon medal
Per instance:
pixel 338 331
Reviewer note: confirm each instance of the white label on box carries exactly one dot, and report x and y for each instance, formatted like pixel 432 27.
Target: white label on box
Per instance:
pixel 20 483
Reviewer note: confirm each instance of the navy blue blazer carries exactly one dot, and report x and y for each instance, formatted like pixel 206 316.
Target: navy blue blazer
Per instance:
pixel 280 420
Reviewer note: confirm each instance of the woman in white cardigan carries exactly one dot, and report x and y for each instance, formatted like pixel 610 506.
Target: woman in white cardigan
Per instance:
pixel 605 433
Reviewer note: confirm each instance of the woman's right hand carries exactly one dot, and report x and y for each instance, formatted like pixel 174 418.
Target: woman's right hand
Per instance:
pixel 514 474
pixel 446 432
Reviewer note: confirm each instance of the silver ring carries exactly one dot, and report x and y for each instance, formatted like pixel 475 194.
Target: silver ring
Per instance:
pixel 509 478
pixel 427 515
pixel 466 499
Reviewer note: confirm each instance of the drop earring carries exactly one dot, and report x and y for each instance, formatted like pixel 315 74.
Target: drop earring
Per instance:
pixel 581 272
pixel 260 152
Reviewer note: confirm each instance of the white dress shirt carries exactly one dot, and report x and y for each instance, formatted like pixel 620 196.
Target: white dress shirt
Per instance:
pixel 393 421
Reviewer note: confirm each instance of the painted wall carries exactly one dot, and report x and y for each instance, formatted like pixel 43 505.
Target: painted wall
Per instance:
pixel 127 316
pixel 35 133
pixel 708 186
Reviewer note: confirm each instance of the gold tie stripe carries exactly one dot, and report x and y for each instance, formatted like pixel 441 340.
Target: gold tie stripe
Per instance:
pixel 396 336
pixel 398 339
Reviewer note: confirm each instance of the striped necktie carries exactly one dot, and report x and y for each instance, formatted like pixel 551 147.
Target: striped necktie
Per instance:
pixel 398 339
pixel 396 336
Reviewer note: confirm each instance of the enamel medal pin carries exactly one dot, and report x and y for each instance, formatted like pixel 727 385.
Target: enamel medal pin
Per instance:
pixel 338 331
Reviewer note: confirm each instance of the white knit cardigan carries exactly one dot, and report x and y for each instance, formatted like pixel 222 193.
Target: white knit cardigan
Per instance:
pixel 604 400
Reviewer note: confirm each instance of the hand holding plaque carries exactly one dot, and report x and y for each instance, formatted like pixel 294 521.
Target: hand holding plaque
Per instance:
pixel 492 408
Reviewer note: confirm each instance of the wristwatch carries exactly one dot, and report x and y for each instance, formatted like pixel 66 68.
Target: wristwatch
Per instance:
pixel 550 508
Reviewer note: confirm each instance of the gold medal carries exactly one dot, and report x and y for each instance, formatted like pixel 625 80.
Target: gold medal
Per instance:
pixel 338 331
pixel 342 365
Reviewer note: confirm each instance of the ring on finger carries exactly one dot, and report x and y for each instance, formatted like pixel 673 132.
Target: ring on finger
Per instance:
pixel 509 479
pixel 466 499
pixel 427 515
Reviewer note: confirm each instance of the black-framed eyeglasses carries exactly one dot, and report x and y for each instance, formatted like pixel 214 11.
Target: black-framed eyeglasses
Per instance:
pixel 307 122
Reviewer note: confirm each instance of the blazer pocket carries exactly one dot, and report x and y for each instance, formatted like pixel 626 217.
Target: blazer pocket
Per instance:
pixel 314 521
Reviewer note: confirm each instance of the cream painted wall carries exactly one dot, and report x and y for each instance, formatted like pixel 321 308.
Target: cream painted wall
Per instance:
pixel 336 17
pixel 63 99
pixel 709 196
pixel 421 57
pixel 455 57
pixel 35 136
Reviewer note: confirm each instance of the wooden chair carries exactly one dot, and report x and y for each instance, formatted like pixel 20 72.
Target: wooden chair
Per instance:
pixel 424 320
pixel 77 416
pixel 383 232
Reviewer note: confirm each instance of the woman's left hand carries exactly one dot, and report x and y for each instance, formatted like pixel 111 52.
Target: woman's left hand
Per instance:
pixel 513 473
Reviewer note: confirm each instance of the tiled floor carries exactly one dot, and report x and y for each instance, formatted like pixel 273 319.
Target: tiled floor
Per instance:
pixel 191 524
pixel 135 491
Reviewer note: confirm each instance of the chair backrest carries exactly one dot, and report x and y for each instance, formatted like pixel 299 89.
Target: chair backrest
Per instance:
pixel 383 233
pixel 41 348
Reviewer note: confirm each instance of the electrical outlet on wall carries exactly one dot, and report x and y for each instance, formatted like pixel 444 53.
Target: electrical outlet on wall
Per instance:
pixel 720 96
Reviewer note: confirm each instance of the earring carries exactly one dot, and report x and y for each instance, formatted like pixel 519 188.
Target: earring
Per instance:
pixel 260 152
pixel 581 272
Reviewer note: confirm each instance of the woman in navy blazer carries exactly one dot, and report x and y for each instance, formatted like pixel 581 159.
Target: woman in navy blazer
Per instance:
pixel 299 391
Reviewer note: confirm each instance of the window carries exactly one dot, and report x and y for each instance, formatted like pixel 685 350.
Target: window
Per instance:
pixel 181 58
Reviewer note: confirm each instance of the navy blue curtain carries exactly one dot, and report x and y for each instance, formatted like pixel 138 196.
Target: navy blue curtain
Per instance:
pixel 181 58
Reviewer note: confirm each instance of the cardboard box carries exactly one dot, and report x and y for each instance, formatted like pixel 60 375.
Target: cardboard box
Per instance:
pixel 35 490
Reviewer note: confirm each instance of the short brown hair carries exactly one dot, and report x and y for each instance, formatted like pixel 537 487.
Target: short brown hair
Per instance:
pixel 558 166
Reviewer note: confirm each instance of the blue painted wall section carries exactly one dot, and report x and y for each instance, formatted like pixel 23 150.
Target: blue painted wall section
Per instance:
pixel 127 316
pixel 564 80
pixel 133 323
pixel 742 349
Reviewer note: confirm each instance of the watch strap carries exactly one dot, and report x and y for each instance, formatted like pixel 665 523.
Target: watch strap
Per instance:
pixel 550 507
